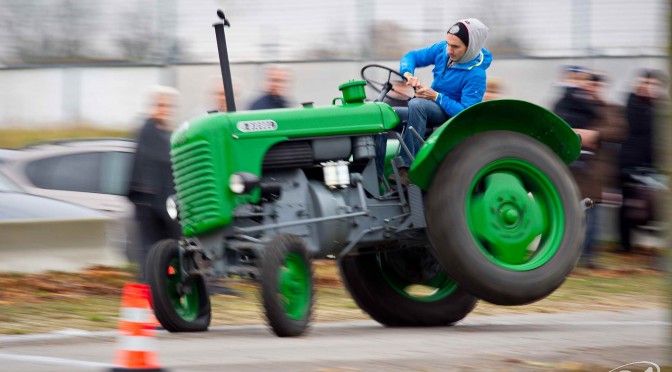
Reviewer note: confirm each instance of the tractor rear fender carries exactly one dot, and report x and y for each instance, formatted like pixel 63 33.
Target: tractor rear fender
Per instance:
pixel 505 114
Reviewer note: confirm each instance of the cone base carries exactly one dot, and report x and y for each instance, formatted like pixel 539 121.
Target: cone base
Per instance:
pixel 122 369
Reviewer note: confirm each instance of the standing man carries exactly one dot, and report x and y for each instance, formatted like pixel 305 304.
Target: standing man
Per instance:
pixel 152 175
pixel 218 96
pixel 276 88
pixel 585 108
pixel 576 106
pixel 459 82
pixel 637 150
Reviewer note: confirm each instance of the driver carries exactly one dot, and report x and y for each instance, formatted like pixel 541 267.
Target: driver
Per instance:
pixel 459 82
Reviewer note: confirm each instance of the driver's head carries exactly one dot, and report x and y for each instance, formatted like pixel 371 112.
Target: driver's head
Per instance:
pixel 465 39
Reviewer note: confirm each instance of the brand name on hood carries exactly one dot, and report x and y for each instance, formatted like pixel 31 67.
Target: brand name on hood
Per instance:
pixel 257 126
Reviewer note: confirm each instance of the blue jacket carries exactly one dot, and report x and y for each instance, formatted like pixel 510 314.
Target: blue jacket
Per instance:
pixel 460 85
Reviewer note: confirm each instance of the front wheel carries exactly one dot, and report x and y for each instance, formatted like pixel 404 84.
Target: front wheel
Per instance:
pixel 287 285
pixel 504 218
pixel 180 304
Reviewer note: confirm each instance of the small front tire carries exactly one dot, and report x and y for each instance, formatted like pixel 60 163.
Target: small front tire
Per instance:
pixel 287 285
pixel 179 305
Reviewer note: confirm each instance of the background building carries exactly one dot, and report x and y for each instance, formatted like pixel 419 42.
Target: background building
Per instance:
pixel 67 62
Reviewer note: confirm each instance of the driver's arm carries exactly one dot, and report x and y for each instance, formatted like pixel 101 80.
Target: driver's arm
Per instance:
pixel 472 93
pixel 420 58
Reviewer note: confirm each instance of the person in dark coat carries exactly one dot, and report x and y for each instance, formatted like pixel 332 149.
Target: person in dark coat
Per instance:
pixel 576 106
pixel 637 150
pixel 598 121
pixel 277 84
pixel 152 177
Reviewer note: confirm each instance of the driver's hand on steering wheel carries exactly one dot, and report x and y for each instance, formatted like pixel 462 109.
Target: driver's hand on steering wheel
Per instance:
pixel 423 91
pixel 411 80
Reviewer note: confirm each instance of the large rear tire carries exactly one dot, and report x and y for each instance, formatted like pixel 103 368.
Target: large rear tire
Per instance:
pixel 504 218
pixel 405 289
pixel 287 285
pixel 179 305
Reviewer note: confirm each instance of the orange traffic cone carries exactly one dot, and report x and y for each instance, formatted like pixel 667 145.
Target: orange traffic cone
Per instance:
pixel 137 337
pixel 146 292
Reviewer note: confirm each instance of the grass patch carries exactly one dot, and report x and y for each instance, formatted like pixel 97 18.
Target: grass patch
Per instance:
pixel 90 299
pixel 17 138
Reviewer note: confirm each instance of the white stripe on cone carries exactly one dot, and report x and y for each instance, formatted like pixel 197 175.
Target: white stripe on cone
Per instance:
pixel 137 343
pixel 136 315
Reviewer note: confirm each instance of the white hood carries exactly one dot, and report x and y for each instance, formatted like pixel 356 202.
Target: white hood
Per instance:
pixel 478 33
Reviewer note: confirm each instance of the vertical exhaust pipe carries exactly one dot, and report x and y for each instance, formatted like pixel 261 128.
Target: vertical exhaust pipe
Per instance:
pixel 224 60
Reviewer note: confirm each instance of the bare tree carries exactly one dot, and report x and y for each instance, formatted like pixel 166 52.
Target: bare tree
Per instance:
pixel 502 17
pixel 149 35
pixel 388 40
pixel 137 36
pixel 48 32
pixel 336 45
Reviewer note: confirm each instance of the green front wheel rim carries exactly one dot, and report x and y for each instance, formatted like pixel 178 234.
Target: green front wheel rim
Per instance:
pixel 294 286
pixel 515 214
pixel 183 296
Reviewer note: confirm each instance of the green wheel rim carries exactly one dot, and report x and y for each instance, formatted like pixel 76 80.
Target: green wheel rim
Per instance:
pixel 440 285
pixel 294 286
pixel 515 214
pixel 184 298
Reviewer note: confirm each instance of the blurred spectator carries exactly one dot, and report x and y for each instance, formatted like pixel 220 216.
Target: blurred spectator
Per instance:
pixel 572 76
pixel 152 176
pixel 276 89
pixel 637 150
pixel 493 89
pixel 219 96
pixel 601 122
pixel 576 106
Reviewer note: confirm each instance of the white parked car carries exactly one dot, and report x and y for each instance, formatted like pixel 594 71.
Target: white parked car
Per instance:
pixel 93 173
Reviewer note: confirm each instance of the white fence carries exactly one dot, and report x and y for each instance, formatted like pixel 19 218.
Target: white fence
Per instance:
pixel 115 97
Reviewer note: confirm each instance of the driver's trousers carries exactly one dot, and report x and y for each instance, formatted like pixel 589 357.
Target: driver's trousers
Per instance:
pixel 420 114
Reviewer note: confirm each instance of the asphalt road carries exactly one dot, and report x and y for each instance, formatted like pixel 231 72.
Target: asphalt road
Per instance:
pixel 511 342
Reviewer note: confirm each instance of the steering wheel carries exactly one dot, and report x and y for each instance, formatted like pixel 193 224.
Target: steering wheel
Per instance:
pixel 392 87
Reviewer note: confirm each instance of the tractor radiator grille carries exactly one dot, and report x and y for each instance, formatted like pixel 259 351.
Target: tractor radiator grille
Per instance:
pixel 288 155
pixel 194 173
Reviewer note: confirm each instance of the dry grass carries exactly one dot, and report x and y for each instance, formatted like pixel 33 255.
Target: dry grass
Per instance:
pixel 16 138
pixel 90 299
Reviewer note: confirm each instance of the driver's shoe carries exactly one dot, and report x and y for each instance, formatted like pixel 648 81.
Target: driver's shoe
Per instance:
pixel 403 177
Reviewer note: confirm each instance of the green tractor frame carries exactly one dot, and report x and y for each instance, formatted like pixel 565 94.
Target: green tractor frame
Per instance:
pixel 492 212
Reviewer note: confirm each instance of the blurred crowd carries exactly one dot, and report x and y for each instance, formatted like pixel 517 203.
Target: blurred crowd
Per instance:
pixel 151 181
pixel 617 148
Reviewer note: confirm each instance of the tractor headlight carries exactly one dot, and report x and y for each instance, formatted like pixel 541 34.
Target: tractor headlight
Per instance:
pixel 243 182
pixel 171 207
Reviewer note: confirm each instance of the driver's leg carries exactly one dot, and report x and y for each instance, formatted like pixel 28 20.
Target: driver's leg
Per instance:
pixel 381 140
pixel 421 113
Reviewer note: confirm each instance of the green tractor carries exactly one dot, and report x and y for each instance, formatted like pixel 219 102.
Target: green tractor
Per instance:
pixel 492 212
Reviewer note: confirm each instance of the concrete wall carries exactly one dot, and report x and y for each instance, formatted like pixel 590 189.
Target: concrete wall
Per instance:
pixel 115 97
pixel 46 245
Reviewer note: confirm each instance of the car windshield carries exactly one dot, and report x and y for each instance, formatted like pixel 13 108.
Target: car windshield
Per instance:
pixel 6 185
